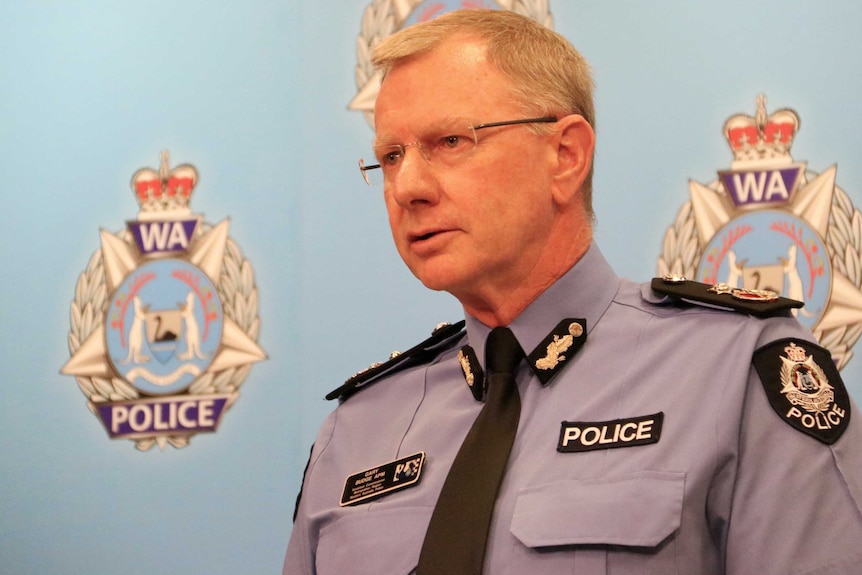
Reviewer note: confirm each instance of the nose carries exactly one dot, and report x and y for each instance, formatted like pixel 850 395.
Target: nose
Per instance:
pixel 419 147
pixel 414 183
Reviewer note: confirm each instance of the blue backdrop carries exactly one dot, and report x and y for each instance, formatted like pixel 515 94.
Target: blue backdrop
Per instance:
pixel 255 94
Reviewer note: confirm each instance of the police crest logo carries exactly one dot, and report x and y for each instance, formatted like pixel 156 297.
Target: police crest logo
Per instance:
pixel 804 388
pixel 384 17
pixel 805 383
pixel 164 322
pixel 769 226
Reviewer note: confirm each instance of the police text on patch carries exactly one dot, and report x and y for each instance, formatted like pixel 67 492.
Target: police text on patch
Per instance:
pixel 578 436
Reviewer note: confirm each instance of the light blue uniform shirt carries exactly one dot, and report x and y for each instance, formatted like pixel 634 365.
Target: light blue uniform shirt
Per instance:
pixel 729 487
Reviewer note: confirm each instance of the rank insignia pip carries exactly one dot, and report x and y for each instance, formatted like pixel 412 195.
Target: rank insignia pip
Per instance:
pixel 804 388
pixel 442 338
pixel 759 303
pixel 743 294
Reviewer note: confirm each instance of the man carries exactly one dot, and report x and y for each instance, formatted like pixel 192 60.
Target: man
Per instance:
pixel 656 435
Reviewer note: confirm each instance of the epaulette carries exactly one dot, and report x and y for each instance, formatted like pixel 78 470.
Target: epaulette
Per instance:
pixel 760 303
pixel 441 338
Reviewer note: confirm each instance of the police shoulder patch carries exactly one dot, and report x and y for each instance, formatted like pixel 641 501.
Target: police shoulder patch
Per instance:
pixel 443 337
pixel 804 387
pixel 759 303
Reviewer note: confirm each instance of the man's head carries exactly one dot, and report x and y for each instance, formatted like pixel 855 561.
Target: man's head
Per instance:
pixel 493 215
pixel 549 76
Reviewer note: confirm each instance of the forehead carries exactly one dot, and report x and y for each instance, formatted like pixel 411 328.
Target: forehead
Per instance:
pixel 455 80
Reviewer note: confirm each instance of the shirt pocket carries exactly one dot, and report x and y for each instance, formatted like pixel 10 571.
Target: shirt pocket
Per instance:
pixel 575 523
pixel 373 543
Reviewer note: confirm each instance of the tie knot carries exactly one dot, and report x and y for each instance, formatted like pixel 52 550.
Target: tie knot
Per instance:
pixel 502 351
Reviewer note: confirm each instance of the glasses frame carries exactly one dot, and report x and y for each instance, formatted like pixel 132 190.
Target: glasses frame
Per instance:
pixel 543 120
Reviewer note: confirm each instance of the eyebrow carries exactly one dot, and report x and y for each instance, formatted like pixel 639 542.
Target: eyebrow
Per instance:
pixel 439 125
pixel 380 144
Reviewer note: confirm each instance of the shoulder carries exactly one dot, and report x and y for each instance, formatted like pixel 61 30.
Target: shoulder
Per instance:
pixel 443 337
pixel 798 376
pixel 759 303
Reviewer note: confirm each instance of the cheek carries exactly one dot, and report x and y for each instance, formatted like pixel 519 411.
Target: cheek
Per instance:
pixel 393 212
pixel 395 215
pixel 518 209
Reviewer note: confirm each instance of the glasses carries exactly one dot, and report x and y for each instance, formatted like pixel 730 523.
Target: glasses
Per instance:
pixel 447 147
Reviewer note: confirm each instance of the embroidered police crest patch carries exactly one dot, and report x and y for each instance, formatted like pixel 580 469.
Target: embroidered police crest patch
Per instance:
pixel 804 388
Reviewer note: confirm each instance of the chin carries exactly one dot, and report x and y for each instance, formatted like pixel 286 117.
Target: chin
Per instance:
pixel 442 272
pixel 434 279
pixel 430 281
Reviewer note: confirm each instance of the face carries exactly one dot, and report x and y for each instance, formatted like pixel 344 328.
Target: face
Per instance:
pixel 483 225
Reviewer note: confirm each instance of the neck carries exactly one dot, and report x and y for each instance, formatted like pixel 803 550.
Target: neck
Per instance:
pixel 499 305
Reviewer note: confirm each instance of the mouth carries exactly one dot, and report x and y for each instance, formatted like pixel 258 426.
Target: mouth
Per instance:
pixel 413 238
pixel 429 241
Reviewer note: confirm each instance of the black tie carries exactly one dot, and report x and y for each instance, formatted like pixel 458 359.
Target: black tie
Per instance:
pixel 458 531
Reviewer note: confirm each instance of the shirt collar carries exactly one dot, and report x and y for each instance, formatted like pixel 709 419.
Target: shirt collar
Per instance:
pixel 585 291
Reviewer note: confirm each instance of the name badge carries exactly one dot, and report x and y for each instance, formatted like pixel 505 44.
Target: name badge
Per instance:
pixel 578 436
pixel 378 481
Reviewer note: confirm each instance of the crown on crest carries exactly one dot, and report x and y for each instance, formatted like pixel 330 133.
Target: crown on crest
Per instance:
pixel 165 190
pixel 762 137
pixel 795 353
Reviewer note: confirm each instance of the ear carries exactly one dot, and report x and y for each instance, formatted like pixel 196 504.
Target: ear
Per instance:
pixel 575 142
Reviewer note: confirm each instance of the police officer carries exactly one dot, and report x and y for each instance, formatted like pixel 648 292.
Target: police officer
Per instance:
pixel 656 435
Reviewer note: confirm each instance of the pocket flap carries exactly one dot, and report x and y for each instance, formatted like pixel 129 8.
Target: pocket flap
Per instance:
pixel 639 509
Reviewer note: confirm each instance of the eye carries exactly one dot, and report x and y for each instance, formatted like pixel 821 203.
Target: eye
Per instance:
pixel 391 156
pixel 452 141
pixel 456 141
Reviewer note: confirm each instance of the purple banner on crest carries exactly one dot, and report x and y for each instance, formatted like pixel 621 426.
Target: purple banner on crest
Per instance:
pixel 163 236
pixel 758 187
pixel 163 416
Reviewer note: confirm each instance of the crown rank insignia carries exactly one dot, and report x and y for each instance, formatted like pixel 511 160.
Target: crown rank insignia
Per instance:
pixel 769 228
pixel 164 322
